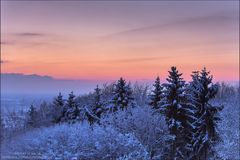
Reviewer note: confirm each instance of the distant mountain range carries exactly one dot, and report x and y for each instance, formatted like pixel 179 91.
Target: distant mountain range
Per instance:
pixel 15 83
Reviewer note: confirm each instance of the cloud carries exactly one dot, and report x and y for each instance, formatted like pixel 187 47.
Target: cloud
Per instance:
pixel 32 39
pixel 4 61
pixel 25 38
pixel 127 60
pixel 212 20
pixel 30 34
pixel 7 43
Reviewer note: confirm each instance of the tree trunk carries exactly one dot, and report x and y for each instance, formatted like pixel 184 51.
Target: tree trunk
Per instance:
pixel 205 153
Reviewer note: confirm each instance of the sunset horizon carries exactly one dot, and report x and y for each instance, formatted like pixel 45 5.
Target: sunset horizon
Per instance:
pixel 107 40
pixel 120 80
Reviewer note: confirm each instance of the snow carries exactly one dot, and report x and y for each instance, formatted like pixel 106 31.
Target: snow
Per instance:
pixel 138 132
pixel 70 141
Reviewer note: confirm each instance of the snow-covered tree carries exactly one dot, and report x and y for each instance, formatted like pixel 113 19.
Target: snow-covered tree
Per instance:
pixel 32 118
pixel 122 96
pixel 58 101
pixel 205 134
pixel 45 114
pixel 2 127
pixel 89 115
pixel 150 129
pixel 77 141
pixel 178 115
pixel 72 111
pixel 140 93
pixel 58 106
pixel 228 128
pixel 98 107
pixel 156 95
pixel 94 110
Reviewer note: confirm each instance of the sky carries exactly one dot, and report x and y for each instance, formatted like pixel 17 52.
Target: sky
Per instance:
pixel 138 40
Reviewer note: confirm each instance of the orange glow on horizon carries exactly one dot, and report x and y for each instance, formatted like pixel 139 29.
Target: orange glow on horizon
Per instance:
pixel 88 41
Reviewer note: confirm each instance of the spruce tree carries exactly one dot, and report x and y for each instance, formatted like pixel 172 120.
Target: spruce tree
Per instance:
pixel 98 108
pixel 58 101
pixel 91 118
pixel 58 111
pixel 205 135
pixel 2 133
pixel 178 114
pixel 32 119
pixel 72 111
pixel 156 95
pixel 122 95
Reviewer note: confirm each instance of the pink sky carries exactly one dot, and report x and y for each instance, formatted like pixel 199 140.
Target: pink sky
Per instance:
pixel 106 40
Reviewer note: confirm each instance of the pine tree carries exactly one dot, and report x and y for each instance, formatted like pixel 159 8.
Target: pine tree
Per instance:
pixel 58 111
pixel 91 118
pixel 205 135
pixel 156 95
pixel 58 101
pixel 32 119
pixel 72 111
pixel 178 114
pixel 98 108
pixel 191 103
pixel 2 133
pixel 122 95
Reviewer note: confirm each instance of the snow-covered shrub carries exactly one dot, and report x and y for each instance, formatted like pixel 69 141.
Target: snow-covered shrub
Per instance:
pixel 229 148
pixel 12 123
pixel 225 90
pixel 140 93
pixel 78 141
pixel 148 127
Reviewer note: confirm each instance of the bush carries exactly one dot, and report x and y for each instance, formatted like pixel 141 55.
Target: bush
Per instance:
pixel 229 147
pixel 149 127
pixel 75 141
